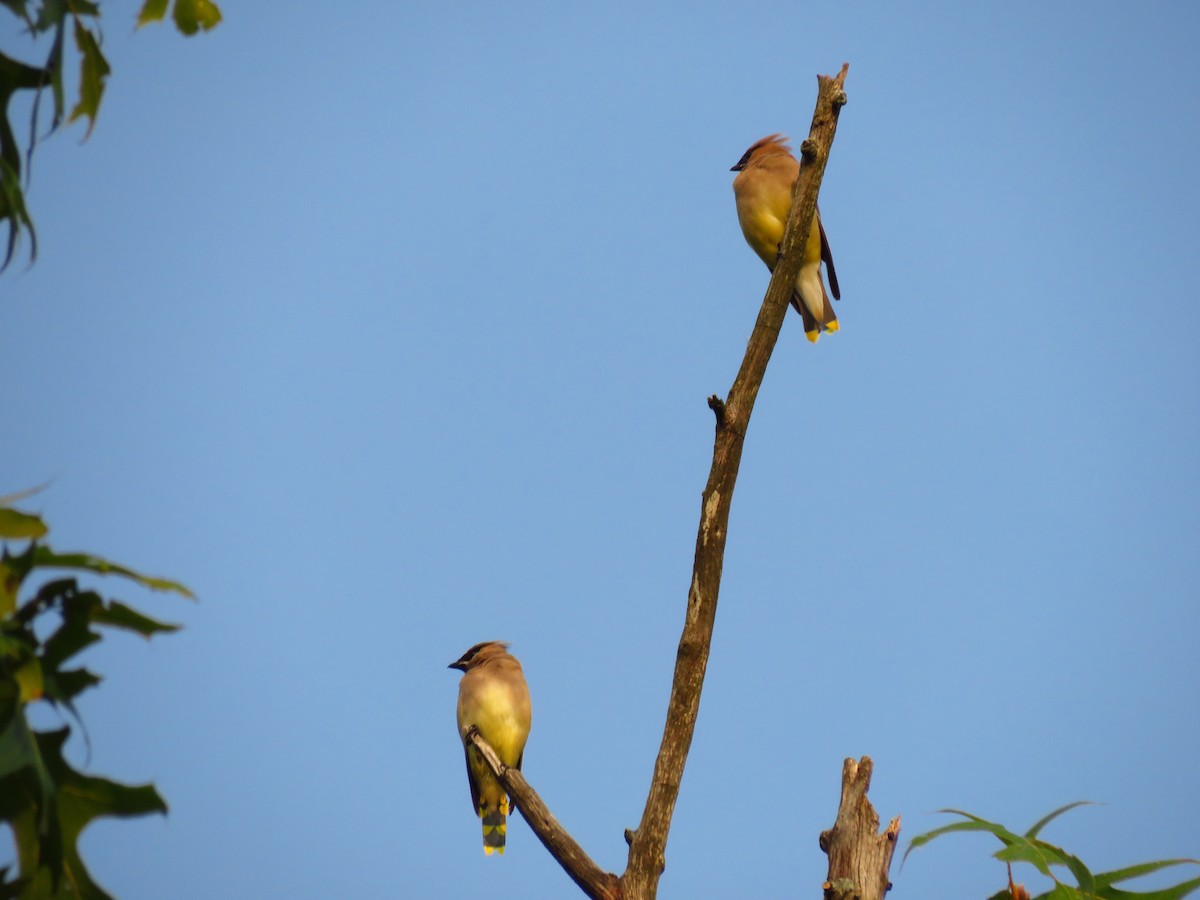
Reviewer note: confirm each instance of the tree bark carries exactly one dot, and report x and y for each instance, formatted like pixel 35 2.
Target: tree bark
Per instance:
pixel 859 856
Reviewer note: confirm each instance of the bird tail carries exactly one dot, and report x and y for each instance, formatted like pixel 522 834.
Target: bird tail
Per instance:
pixel 811 301
pixel 494 826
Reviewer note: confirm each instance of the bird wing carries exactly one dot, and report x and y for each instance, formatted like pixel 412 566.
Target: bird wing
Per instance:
pixel 471 781
pixel 827 257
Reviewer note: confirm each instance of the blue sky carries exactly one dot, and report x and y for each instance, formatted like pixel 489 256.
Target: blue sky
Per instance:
pixel 393 334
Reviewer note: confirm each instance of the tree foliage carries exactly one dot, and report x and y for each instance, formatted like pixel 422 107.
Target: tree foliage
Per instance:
pixel 44 800
pixel 1045 857
pixel 54 19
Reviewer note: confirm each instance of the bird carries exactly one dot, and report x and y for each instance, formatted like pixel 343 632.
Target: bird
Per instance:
pixel 493 699
pixel 762 188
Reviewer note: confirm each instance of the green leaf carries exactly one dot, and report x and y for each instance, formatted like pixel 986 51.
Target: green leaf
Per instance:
pixel 1172 893
pixel 1104 879
pixel 54 65
pixel 30 680
pixel 50 14
pixel 17 526
pixel 64 685
pixel 14 76
pixel 13 570
pixel 74 633
pixel 50 595
pixel 193 15
pixel 47 819
pixel 1062 891
pixel 46 558
pixel 70 638
pixel 17 749
pixel 83 798
pixel 13 210
pixel 25 788
pixel 1042 856
pixel 974 823
pixel 1049 817
pixel 1030 852
pixel 118 615
pixel 15 642
pixel 93 70
pixel 80 610
pixel 152 11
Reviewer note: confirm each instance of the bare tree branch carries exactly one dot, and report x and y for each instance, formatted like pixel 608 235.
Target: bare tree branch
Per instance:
pixel 592 880
pixel 859 857
pixel 647 845
pixel 647 848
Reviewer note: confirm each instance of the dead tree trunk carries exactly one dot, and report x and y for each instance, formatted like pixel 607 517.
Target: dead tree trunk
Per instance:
pixel 859 856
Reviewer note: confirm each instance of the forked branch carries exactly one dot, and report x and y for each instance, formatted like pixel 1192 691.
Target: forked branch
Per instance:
pixel 647 850
pixel 647 845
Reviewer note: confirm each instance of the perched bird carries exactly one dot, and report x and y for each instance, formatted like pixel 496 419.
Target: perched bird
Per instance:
pixel 494 699
pixel 763 191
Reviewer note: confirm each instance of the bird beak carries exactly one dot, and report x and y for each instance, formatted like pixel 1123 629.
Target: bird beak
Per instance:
pixel 458 664
pixel 738 167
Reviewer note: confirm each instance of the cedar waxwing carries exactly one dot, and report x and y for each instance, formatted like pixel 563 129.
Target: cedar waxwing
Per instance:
pixel 763 190
pixel 493 698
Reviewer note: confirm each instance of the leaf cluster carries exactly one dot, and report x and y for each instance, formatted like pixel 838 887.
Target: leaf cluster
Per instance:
pixel 1029 848
pixel 43 799
pixel 54 19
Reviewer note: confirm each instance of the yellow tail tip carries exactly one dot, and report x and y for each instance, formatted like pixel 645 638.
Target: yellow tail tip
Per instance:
pixel 494 829
pixel 814 335
pixel 833 326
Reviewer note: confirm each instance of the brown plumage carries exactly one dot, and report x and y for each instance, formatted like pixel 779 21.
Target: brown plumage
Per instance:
pixel 763 190
pixel 493 698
